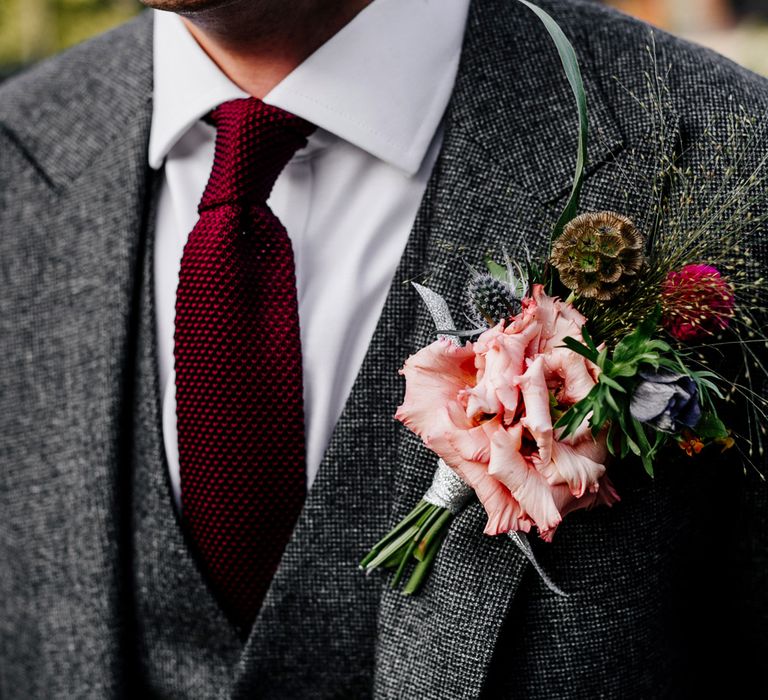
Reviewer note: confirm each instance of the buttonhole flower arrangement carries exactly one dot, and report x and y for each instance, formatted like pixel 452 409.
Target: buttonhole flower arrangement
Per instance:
pixel 597 354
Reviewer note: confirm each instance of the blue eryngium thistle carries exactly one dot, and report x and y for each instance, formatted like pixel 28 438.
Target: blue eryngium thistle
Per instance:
pixel 490 300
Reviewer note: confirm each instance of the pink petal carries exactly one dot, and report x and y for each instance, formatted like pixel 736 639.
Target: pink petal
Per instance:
pixel 434 376
pixel 573 372
pixel 504 512
pixel 574 466
pixel 511 519
pixel 492 494
pixel 527 486
pixel 537 417
pixel 604 496
pixel 503 354
pixel 483 398
pixel 469 442
pixel 571 314
pixel 557 319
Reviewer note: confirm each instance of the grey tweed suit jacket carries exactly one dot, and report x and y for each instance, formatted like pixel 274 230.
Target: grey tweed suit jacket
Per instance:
pixel 668 588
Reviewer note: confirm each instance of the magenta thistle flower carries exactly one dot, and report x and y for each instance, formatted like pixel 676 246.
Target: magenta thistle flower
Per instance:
pixel 697 302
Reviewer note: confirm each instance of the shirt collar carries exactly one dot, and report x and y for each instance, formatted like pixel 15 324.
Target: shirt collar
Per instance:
pixel 382 83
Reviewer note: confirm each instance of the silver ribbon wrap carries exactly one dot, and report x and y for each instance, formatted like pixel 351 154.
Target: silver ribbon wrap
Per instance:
pixel 438 309
pixel 448 490
pixel 521 540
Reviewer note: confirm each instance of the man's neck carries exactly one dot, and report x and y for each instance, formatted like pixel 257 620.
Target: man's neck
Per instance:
pixel 256 47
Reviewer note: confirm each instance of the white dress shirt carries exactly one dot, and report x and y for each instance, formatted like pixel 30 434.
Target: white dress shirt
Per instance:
pixel 377 92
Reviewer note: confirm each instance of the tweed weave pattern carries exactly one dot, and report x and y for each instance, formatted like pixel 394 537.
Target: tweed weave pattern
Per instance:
pixel 238 361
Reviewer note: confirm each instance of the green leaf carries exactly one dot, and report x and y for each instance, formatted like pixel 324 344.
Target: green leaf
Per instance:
pixel 438 526
pixel 588 339
pixel 602 358
pixel 624 447
pixel 394 560
pixel 575 415
pixel 404 525
pixel 633 445
pixel 711 427
pixel 605 379
pixel 406 557
pixel 583 350
pixel 642 438
pixel 628 443
pixel 567 423
pixel 573 74
pixel 648 451
pixel 612 402
pixel 704 385
pixel 599 406
pixel 430 514
pixel 421 570
pixel 647 464
pixel 497 271
pixel 390 555
pixel 658 440
pixel 624 369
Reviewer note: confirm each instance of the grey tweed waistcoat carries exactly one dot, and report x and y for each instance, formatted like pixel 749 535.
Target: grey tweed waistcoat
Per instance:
pixel 185 647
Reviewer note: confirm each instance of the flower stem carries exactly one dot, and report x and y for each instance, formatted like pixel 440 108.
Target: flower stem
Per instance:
pixel 436 529
pixel 421 569
pixel 415 540
pixel 395 533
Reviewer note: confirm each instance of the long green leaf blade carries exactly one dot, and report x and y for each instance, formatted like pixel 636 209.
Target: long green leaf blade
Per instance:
pixel 573 73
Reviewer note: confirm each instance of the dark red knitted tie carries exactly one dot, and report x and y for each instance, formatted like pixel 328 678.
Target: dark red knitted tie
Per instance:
pixel 238 362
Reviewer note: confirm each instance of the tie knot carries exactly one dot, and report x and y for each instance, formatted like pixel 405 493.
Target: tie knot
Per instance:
pixel 254 142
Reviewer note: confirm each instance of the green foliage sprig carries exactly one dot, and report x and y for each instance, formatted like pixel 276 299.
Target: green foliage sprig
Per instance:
pixel 607 404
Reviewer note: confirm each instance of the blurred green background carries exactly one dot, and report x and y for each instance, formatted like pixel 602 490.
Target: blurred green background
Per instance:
pixel 32 29
pixel 735 28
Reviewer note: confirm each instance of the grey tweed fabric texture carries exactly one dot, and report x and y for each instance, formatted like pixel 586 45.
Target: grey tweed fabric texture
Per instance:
pixel 668 588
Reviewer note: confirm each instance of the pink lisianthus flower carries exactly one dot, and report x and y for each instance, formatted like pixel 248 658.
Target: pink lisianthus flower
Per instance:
pixel 484 408
pixel 696 302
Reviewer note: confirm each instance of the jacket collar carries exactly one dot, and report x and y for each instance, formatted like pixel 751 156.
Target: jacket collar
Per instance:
pixel 503 109
pixel 512 99
pixel 497 101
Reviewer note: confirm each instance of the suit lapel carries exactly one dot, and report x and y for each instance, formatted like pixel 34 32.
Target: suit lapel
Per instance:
pixel 83 226
pixel 443 637
pixel 508 165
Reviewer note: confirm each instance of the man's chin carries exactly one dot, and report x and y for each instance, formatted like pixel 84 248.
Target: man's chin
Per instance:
pixel 187 6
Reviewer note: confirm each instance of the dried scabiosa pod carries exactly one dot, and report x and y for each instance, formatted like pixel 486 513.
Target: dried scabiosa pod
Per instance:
pixel 599 255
